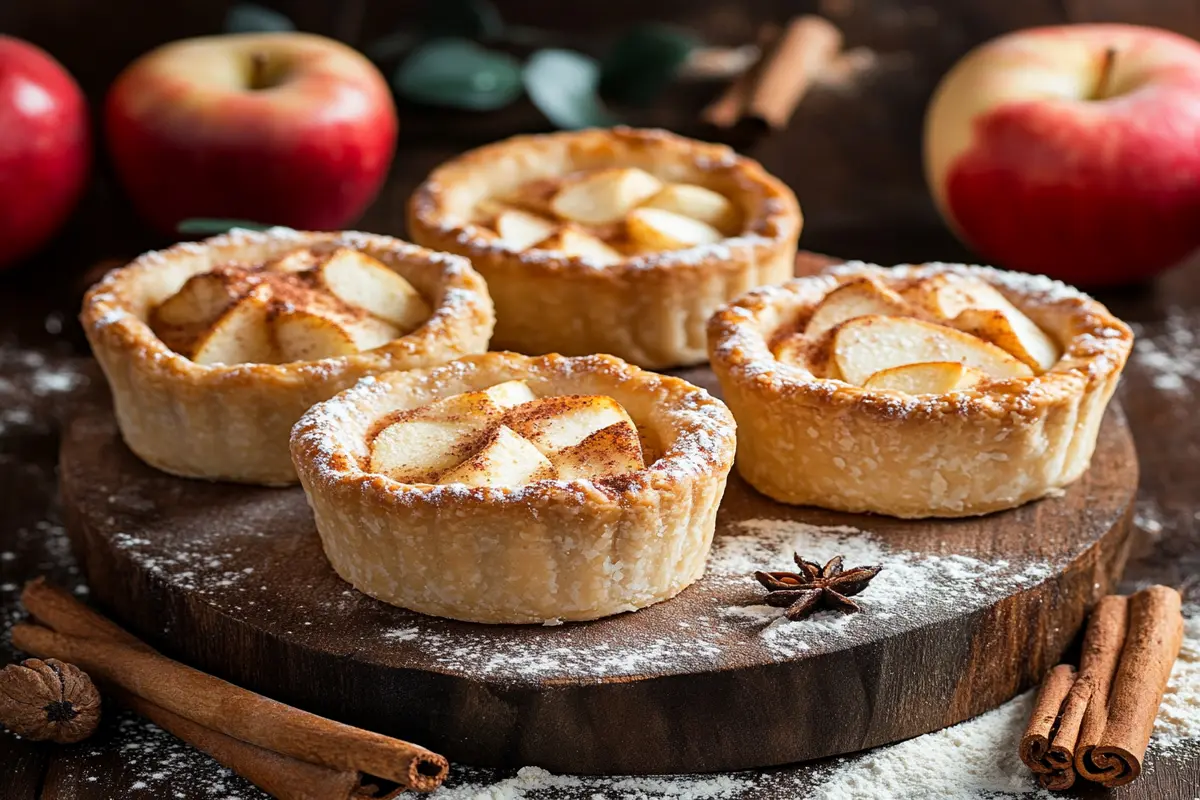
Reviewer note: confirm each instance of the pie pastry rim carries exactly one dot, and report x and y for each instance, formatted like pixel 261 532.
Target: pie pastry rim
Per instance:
pixel 781 220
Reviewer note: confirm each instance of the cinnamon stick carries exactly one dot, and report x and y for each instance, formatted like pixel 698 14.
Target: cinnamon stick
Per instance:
pixel 726 110
pixel 1040 749
pixel 280 776
pixel 1112 754
pixel 807 45
pixel 220 706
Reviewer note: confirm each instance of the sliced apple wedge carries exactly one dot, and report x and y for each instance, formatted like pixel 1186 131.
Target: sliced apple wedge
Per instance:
pixel 554 423
pixel 864 346
pixel 614 450
pixel 242 335
pixel 697 202
pixel 361 281
pixel 425 441
pixel 964 303
pixel 657 229
pixel 1011 330
pixel 295 261
pixel 930 377
pixel 574 242
pixel 792 349
pixel 486 405
pixel 303 335
pixel 201 299
pixel 598 198
pixel 505 459
pixel 367 333
pixel 521 230
pixel 856 298
pixel 418 450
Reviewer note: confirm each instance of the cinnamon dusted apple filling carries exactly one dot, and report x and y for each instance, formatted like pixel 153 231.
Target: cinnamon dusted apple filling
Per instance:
pixel 305 305
pixel 507 436
pixel 608 215
pixel 924 336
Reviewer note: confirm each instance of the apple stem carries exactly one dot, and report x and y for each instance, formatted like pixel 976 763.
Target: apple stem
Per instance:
pixel 1106 70
pixel 258 70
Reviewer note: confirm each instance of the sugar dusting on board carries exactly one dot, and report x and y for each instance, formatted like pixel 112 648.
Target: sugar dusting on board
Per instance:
pixel 912 589
pixel 934 585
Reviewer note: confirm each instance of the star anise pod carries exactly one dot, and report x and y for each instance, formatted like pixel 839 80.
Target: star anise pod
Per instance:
pixel 48 701
pixel 815 587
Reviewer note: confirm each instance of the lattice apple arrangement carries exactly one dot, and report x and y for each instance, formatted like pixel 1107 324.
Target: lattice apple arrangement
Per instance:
pixel 608 215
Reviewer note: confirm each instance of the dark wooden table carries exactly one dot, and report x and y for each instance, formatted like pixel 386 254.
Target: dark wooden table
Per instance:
pixel 42 357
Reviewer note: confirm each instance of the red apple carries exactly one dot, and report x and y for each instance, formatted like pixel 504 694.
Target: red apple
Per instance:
pixel 1072 151
pixel 45 147
pixel 283 128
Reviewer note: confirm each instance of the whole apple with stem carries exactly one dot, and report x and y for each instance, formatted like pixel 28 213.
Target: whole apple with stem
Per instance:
pixel 1072 151
pixel 45 148
pixel 283 128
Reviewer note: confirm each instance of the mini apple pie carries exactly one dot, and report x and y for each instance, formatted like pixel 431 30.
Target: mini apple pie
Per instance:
pixel 214 350
pixel 613 241
pixel 504 488
pixel 916 391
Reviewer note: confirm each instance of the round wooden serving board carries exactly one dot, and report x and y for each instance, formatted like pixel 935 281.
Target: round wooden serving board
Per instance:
pixel 965 614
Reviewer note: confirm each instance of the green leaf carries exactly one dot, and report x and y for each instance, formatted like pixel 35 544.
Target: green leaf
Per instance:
pixel 472 19
pixel 206 226
pixel 563 85
pixel 252 18
pixel 459 74
pixel 392 46
pixel 642 63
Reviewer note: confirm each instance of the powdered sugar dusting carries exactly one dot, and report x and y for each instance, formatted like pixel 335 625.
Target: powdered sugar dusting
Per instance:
pixel 1170 353
pixel 913 588
pixel 1178 721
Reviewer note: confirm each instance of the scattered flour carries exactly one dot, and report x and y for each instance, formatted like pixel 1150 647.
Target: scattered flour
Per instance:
pixel 728 623
pixel 1179 716
pixel 913 588
pixel 1169 354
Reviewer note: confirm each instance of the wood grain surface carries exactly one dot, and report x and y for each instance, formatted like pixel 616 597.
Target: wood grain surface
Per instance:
pixel 232 579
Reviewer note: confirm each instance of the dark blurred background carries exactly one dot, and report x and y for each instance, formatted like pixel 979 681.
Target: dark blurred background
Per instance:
pixel 851 151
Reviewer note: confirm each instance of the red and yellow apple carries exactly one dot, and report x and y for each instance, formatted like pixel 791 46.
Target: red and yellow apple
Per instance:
pixel 1072 151
pixel 282 128
pixel 45 148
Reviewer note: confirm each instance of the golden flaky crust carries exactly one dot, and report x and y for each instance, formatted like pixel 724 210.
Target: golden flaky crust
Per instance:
pixel 823 442
pixel 649 309
pixel 231 422
pixel 545 551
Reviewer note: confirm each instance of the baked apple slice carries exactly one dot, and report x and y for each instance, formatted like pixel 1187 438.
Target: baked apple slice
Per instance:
pixel 864 346
pixel 574 242
pixel 521 230
pixel 241 335
pixel 1012 331
pixel 505 459
pixel 966 304
pixel 697 202
pixel 554 423
pixel 614 450
pixel 605 196
pixel 657 229
pixel 363 282
pixel 428 440
pixel 303 335
pixel 201 299
pixel 857 298
pixel 930 377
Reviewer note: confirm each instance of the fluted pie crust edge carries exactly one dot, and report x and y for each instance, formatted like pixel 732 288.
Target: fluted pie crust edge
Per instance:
pixel 651 309
pixel 232 422
pixel 543 552
pixel 817 441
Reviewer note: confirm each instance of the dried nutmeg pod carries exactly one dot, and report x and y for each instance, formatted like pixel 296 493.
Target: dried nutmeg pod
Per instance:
pixel 48 701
